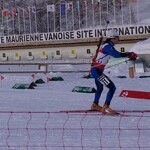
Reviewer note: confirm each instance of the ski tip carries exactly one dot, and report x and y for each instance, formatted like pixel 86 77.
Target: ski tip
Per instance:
pixel 121 114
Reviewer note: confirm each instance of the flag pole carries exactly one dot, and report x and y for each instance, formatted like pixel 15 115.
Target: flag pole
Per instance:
pixel 60 15
pixel 86 11
pixel 100 12
pixel 19 20
pixel 72 16
pixel 29 18
pixel 47 20
pixel 66 16
pixel 93 12
pixel 2 22
pixel 130 11
pixel 13 22
pixel 122 10
pixel 7 26
pixel 24 28
pixel 114 3
pixel 79 15
pixel 107 9
pixel 54 18
pixel 35 20
pixel 78 7
pixel 138 11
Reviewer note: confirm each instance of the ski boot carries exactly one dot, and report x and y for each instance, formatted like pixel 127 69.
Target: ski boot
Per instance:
pixel 96 107
pixel 107 110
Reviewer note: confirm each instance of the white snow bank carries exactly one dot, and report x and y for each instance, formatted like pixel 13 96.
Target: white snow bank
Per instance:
pixel 142 47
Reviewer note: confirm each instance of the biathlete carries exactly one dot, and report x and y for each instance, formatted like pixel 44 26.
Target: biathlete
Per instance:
pixel 106 51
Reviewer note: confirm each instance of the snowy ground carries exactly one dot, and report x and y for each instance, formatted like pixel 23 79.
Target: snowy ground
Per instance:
pixel 54 96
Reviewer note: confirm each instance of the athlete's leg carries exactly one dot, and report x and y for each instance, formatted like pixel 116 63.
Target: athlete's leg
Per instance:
pixel 98 91
pixel 110 85
pixel 106 108
pixel 95 74
pixel 112 89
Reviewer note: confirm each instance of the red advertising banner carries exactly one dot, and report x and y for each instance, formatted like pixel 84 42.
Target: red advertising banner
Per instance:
pixel 135 94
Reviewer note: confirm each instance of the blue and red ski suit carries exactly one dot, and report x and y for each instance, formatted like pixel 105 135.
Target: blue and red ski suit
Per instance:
pixel 104 54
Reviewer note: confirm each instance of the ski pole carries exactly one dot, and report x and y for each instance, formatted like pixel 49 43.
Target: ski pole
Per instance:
pixel 114 60
pixel 117 64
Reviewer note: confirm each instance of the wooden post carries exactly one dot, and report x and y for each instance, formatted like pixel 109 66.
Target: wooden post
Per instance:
pixel 131 72
pixel 39 66
pixel 131 69
pixel 46 68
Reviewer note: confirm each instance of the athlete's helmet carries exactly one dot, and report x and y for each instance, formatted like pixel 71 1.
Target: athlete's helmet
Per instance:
pixel 111 33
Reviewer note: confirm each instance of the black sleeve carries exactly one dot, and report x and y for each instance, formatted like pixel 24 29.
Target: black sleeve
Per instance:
pixel 125 54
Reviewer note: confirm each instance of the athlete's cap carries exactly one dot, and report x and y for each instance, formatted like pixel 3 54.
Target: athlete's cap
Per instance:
pixel 111 34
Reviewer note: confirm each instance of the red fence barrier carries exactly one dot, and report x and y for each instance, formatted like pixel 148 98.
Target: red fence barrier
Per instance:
pixel 74 131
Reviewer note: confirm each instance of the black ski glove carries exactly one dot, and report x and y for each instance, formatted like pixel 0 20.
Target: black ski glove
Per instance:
pixel 130 55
